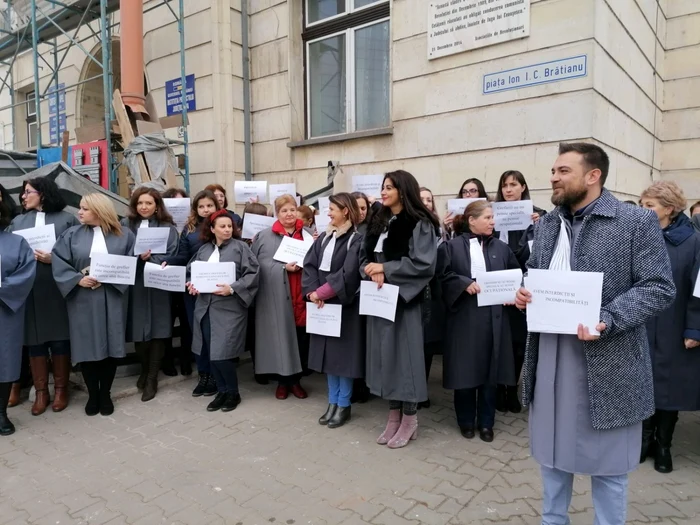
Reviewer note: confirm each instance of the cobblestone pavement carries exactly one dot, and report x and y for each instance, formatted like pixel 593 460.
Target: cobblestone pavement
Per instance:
pixel 169 461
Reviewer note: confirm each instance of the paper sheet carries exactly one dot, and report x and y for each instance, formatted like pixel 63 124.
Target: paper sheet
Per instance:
pixel 498 288
pixel 170 278
pixel 113 269
pixel 293 250
pixel 378 302
pixel 324 321
pixel 154 239
pixel 205 275
pixel 39 238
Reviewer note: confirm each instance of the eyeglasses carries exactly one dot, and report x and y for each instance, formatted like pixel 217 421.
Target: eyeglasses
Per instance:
pixel 29 192
pixel 473 191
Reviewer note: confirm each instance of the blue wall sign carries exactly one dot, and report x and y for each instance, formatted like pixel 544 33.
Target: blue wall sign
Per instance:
pixel 173 95
pixel 522 77
pixel 56 128
pixel 51 95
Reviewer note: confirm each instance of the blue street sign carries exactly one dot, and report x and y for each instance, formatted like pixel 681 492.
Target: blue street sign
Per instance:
pixel 51 94
pixel 173 95
pixel 54 133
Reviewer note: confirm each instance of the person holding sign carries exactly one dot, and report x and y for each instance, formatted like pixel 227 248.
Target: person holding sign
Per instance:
pixel 332 275
pixel 478 348
pixel 674 334
pixel 149 324
pixel 17 272
pixel 281 341
pixel 97 313
pixel 470 189
pixel 400 249
pixel 221 317
pixel 512 187
pixel 368 206
pixel 203 205
pixel 220 194
pixel 46 323
pixel 589 393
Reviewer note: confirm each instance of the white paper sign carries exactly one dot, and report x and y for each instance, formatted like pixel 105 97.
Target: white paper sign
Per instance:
pixel 563 300
pixel 457 206
pixel 154 239
pixel 206 275
pixel 293 250
pixel 378 302
pixel 40 238
pixel 322 221
pixel 455 26
pixel 254 224
pixel 370 185
pixel 170 278
pixel 277 190
pixel 324 204
pixel 246 191
pixel 512 215
pixel 179 209
pixel 113 269
pixel 324 321
pixel 499 287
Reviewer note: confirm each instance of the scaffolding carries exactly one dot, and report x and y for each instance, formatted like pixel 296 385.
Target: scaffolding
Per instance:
pixel 27 24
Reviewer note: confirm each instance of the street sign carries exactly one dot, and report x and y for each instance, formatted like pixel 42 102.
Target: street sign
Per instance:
pixel 173 95
pixel 51 95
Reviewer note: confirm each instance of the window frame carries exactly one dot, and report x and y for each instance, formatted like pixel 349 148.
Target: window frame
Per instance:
pixel 347 24
pixel 350 11
pixel 31 119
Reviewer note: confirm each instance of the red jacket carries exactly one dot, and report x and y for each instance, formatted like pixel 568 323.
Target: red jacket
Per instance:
pixel 298 302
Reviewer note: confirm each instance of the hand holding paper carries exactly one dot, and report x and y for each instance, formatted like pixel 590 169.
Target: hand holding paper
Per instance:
pixel 379 302
pixel 498 288
pixel 293 251
pixel 153 240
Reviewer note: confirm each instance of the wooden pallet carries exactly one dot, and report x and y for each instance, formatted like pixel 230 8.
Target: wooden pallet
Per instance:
pixel 127 132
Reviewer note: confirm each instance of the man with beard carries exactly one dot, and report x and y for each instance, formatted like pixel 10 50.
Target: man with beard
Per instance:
pixel 588 394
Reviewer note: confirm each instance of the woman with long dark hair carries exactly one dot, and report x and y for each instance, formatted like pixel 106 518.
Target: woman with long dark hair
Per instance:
pixel 203 205
pixel 10 204
pixel 221 317
pixel 220 194
pixel 367 207
pixel 470 189
pixel 46 323
pixel 400 249
pixel 149 323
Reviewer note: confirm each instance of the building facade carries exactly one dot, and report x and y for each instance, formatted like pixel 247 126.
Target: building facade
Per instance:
pixel 377 85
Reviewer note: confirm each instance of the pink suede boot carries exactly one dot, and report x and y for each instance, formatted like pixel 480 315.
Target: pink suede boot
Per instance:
pixel 392 426
pixel 407 432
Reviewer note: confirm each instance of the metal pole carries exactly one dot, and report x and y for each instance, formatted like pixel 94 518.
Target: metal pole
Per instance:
pixel 246 91
pixel 183 80
pixel 106 92
pixel 59 135
pixel 35 48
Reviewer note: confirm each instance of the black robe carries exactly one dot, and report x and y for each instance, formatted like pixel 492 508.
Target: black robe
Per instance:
pixel 478 348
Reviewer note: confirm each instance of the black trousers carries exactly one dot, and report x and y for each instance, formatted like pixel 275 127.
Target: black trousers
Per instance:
pixel 476 404
pixel 99 376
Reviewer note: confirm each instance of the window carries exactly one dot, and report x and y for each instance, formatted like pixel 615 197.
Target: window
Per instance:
pixel 31 119
pixel 347 66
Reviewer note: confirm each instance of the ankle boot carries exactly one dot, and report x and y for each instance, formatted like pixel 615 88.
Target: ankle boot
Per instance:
pixel 6 426
pixel 340 417
pixel 168 361
pixel 61 373
pixel 512 401
pixel 40 375
pixel 92 383
pixel 185 361
pixel 108 369
pixel 648 439
pixel 142 353
pixel 666 424
pixel 15 392
pixel 325 418
pixel 155 357
pixel 407 432
pixel 392 426
pixel 201 385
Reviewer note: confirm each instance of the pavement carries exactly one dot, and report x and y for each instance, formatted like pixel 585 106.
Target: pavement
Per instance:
pixel 169 461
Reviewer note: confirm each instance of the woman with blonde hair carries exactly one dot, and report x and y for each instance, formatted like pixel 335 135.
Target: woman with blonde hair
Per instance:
pixel 97 313
pixel 674 335
pixel 281 341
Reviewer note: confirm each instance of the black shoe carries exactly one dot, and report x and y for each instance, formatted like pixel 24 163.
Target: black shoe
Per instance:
pixel 231 402
pixel 168 366
pixel 218 402
pixel 360 392
pixel 210 388
pixel 663 462
pixel 501 399
pixel 323 420
pixel 424 404
pixel 467 432
pixel 648 450
pixel 185 367
pixel 92 407
pixel 201 385
pixel 6 426
pixel 486 434
pixel 262 379
pixel 341 416
pixel 106 405
pixel 512 402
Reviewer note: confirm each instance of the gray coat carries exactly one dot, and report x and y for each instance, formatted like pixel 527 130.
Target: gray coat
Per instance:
pixel 276 347
pixel 17 271
pixel 638 285
pixel 46 316
pixel 395 359
pixel 149 314
pixel 97 318
pixel 478 349
pixel 345 355
pixel 228 315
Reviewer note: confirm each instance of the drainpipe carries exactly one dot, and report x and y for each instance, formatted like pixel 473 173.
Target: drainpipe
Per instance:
pixel 246 91
pixel 131 44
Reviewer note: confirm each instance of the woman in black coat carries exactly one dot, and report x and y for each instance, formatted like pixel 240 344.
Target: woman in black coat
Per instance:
pixel 674 335
pixel 478 347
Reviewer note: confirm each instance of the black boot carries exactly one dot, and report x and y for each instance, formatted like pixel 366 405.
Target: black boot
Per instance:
pixel 157 347
pixel 92 383
pixel 168 363
pixel 210 388
pixel 142 353
pixel 231 402
pixel 341 416
pixel 323 420
pixel 185 360
pixel 6 426
pixel 501 400
pixel 360 392
pixel 201 385
pixel 512 401
pixel 108 369
pixel 665 425
pixel 218 402
pixel 648 439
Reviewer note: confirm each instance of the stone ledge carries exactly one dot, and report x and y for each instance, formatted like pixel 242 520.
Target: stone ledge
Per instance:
pixel 341 138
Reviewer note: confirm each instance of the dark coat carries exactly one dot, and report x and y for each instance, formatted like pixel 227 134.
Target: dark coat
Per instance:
pixel 188 246
pixel 637 285
pixel 677 370
pixel 478 346
pixel 345 355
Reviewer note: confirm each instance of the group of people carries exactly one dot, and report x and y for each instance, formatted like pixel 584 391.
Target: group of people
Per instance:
pixel 600 401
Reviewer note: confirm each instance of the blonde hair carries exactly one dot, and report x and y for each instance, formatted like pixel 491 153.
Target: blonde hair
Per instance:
pixel 282 200
pixel 103 208
pixel 669 195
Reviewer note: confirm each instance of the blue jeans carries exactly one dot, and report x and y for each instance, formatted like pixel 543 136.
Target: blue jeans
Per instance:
pixel 469 409
pixel 339 390
pixel 609 498
pixel 57 348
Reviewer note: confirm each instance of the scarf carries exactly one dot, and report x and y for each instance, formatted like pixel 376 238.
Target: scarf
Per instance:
pixel 333 233
pixel 144 223
pixel 561 259
pixel 99 244
pixel 40 219
pixel 215 255
pixel 476 254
